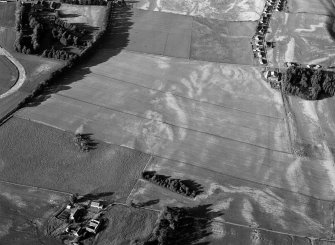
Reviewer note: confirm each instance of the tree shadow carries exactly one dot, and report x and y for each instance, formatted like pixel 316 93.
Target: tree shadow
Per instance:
pixel 94 196
pixel 184 226
pixel 89 142
pixel 194 186
pixel 62 15
pixel 115 40
pixel 145 204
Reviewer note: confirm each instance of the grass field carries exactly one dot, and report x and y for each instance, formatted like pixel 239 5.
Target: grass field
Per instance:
pixel 9 74
pixel 319 7
pixel 41 156
pixel 181 36
pixel 303 38
pixel 7 18
pixel 127 224
pixel 23 213
pixel 222 10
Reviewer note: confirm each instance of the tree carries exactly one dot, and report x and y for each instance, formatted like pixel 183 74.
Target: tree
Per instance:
pixel 24 50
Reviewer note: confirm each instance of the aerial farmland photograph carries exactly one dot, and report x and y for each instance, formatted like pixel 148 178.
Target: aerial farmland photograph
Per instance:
pixel 167 122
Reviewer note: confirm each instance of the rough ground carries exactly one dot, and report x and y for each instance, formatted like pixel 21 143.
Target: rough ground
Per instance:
pixel 302 38
pixel 24 211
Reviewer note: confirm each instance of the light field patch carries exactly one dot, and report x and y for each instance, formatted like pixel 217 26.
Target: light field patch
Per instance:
pixel 230 10
pixel 302 38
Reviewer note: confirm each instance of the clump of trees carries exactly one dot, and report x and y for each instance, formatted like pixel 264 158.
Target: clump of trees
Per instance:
pixel 30 28
pixel 175 185
pixel 82 141
pixel 308 83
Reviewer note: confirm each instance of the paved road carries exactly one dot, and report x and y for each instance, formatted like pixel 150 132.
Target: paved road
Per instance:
pixel 22 73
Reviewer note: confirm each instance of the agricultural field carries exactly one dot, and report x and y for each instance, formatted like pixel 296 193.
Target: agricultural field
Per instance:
pixel 316 7
pixel 181 36
pixel 41 156
pixel 230 10
pixel 173 89
pixel 24 211
pixel 302 38
pixel 127 225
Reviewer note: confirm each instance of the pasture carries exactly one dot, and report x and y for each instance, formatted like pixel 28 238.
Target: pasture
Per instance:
pixel 42 156
pixel 221 10
pixel 302 38
pixel 24 212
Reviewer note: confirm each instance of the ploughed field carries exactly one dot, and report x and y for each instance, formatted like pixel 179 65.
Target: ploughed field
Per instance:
pixel 41 156
pixel 301 37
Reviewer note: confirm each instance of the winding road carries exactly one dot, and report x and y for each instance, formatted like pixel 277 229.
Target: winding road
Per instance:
pixel 20 68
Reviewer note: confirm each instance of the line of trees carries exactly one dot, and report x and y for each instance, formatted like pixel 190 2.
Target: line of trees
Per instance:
pixel 85 2
pixel 308 83
pixel 175 185
pixel 58 54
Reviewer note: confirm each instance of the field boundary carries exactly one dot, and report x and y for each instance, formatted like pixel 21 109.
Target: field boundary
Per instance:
pixel 187 163
pixel 35 187
pixel 188 98
pixel 173 125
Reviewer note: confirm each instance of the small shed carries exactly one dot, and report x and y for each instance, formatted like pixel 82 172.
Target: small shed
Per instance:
pixel 97 205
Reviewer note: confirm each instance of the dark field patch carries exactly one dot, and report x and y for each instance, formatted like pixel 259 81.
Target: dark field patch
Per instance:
pixel 23 213
pixel 7 17
pixel 222 41
pixel 41 156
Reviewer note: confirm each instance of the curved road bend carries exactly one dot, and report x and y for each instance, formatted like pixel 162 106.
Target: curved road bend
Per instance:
pixel 22 73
